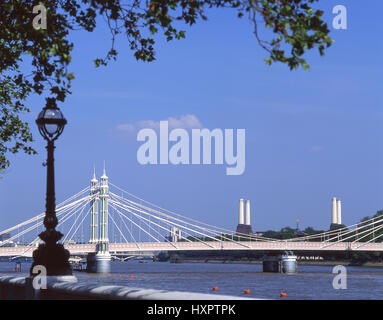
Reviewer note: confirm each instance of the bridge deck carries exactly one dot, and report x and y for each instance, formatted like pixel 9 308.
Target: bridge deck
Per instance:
pixel 80 249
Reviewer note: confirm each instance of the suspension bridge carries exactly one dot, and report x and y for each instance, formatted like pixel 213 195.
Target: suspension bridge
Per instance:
pixel 118 223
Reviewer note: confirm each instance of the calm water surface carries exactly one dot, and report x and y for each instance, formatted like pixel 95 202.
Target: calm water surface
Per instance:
pixel 312 282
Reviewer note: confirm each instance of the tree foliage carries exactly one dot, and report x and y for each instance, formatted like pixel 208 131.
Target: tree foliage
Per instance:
pixel 295 24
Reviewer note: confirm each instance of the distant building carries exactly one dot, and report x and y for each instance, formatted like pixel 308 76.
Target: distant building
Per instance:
pixel 244 226
pixel 175 235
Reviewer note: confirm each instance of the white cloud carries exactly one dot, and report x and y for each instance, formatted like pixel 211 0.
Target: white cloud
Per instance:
pixel 188 121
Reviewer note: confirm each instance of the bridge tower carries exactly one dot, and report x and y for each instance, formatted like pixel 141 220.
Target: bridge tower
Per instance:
pixel 103 244
pixel 94 190
pixel 103 257
pixel 100 261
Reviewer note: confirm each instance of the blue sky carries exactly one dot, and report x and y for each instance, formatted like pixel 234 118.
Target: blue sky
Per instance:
pixel 309 135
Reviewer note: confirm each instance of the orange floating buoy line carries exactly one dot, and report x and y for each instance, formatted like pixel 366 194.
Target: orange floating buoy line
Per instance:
pixel 283 295
pixel 247 291
pixel 131 277
pixel 215 288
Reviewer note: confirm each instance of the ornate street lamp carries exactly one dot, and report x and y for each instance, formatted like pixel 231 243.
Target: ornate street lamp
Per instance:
pixel 50 254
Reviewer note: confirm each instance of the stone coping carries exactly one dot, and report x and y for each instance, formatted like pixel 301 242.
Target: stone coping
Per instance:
pixel 59 289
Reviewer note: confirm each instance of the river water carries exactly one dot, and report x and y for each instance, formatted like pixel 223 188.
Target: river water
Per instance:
pixel 311 282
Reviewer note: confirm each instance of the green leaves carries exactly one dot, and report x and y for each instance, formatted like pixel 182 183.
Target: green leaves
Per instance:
pixel 50 54
pixel 14 133
pixel 298 28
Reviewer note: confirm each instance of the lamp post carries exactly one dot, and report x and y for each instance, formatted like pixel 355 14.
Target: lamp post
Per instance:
pixel 50 254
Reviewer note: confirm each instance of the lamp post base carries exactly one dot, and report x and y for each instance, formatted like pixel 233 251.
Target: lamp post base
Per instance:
pixel 55 258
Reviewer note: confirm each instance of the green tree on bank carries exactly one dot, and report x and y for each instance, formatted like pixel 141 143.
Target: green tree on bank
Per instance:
pixel 288 233
pixel 296 28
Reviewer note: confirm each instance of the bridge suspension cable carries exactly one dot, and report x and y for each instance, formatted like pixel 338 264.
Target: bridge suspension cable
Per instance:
pixel 167 229
pixel 184 218
pixel 66 217
pixel 157 224
pixel 203 231
pixel 336 233
pixel 34 223
pixel 144 209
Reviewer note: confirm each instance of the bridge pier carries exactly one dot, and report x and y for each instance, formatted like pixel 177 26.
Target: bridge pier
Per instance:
pixel 283 263
pixel 271 263
pixel 289 262
pixel 98 262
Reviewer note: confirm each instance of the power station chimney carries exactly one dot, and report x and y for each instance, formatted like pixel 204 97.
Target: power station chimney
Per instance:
pixel 334 215
pixel 339 211
pixel 240 212
pixel 247 212
pixel 244 226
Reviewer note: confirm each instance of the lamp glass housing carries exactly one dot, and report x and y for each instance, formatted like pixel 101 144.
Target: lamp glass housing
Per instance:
pixel 51 122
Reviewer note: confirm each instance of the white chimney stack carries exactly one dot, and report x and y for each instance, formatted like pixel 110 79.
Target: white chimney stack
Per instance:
pixel 334 216
pixel 240 212
pixel 339 211
pixel 247 212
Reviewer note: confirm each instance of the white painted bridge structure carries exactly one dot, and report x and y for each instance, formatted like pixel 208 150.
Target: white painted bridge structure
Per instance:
pixel 117 222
